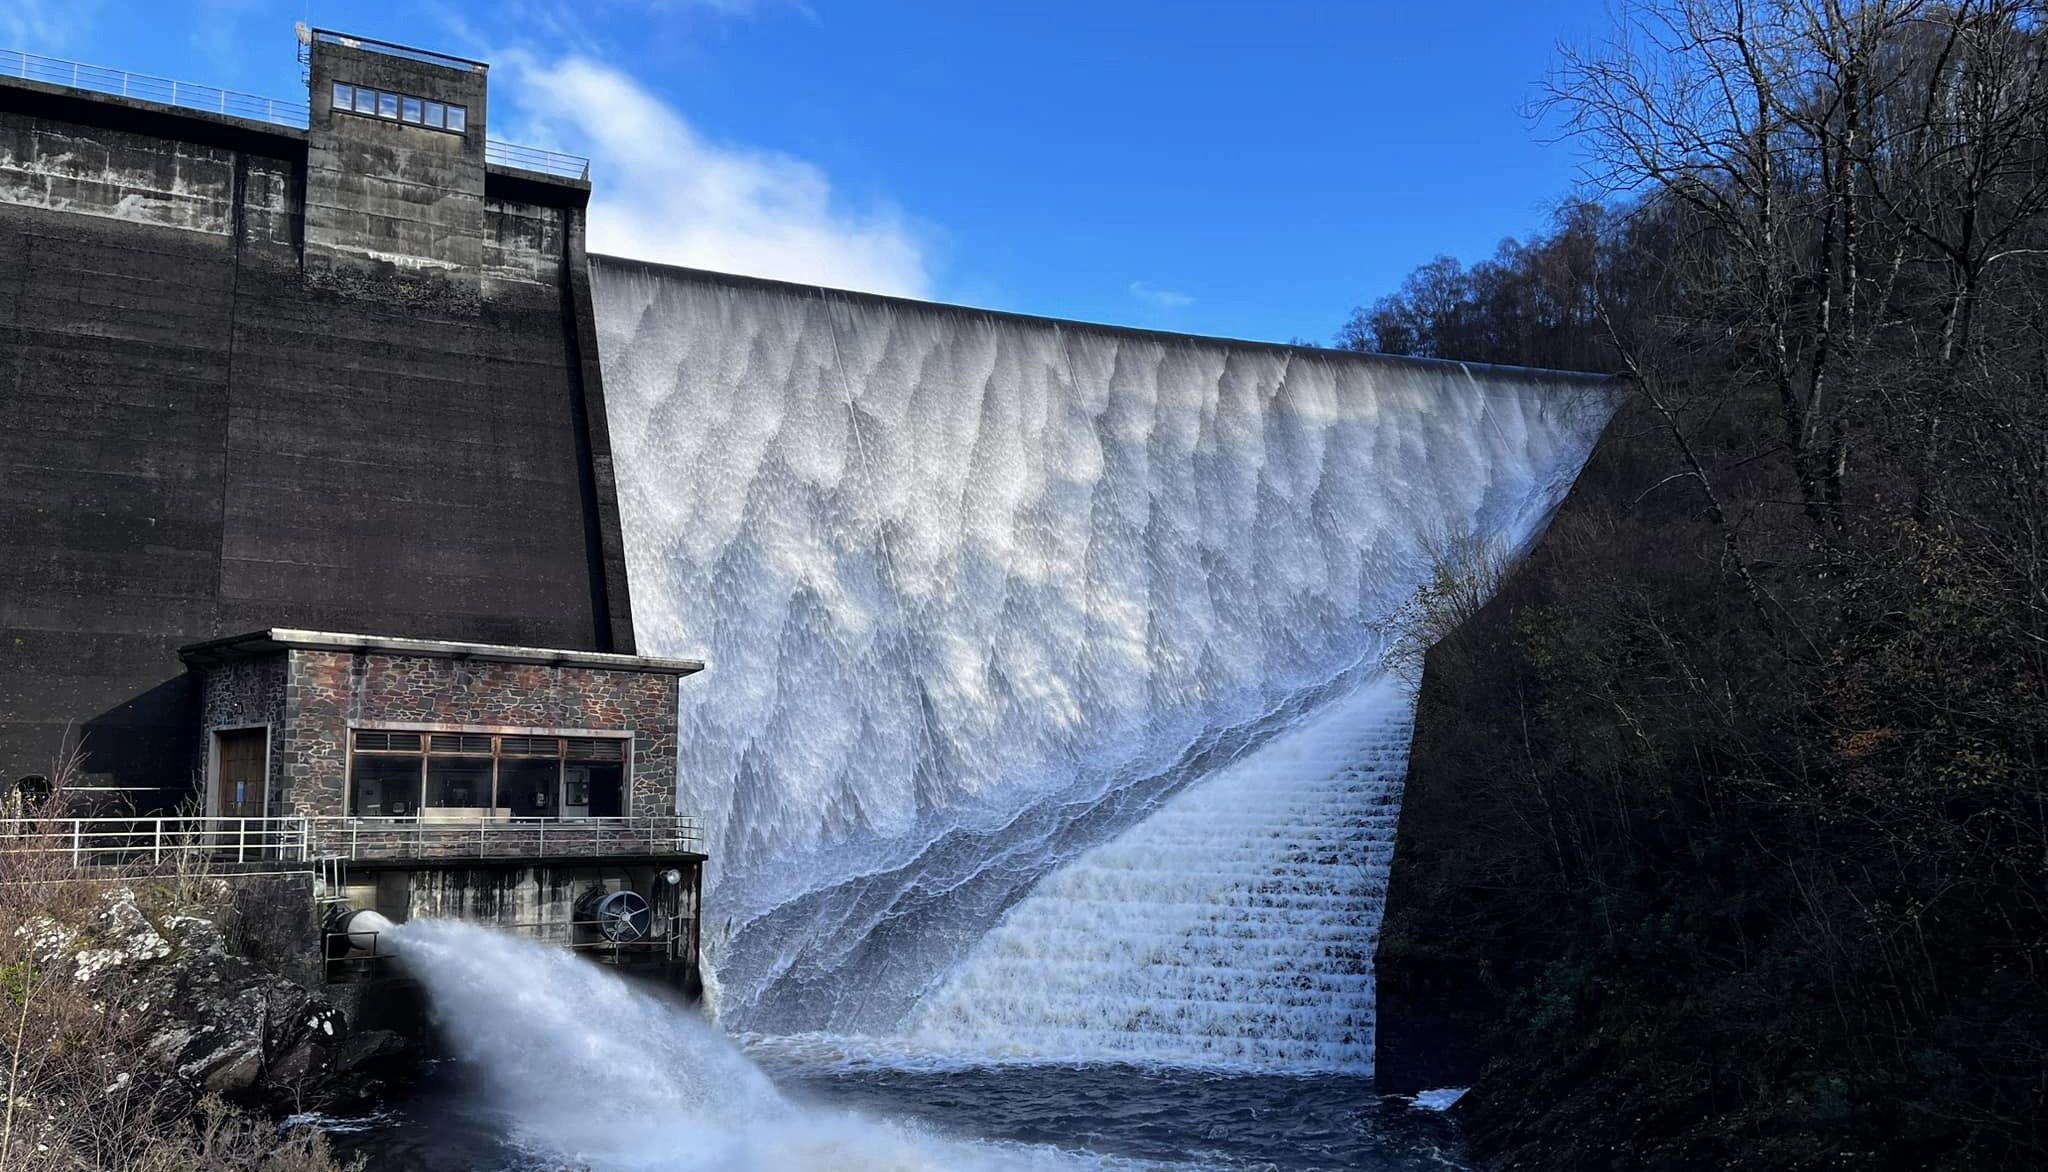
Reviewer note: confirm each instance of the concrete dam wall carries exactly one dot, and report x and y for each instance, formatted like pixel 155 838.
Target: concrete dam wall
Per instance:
pixel 253 376
pixel 1046 721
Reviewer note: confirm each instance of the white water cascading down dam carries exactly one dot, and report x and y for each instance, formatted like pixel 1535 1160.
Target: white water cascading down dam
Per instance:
pixel 1046 718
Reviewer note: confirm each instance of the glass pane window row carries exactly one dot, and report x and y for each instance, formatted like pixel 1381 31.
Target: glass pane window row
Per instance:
pixel 417 111
pixel 523 775
pixel 377 740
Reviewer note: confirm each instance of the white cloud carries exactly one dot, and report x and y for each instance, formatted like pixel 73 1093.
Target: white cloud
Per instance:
pixel 216 30
pixel 663 192
pixel 1163 298
pixel 43 26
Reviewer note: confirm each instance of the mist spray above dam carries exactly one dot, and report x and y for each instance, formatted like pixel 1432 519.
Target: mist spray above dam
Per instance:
pixel 987 596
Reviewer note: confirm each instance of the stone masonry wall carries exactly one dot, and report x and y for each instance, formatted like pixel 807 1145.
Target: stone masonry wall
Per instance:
pixel 328 691
pixel 239 695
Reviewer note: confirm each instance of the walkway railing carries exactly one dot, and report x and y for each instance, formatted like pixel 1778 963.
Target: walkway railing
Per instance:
pixel 349 959
pixel 432 837
pixel 187 95
pixel 506 154
pixel 141 86
pixel 149 842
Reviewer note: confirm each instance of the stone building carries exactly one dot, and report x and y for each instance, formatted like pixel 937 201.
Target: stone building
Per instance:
pixel 333 726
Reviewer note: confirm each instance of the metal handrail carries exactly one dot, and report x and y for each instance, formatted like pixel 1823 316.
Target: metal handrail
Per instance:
pixel 186 95
pixel 152 841
pixel 415 836
pixel 143 87
pixel 672 939
pixel 345 956
pixel 328 36
pixel 527 158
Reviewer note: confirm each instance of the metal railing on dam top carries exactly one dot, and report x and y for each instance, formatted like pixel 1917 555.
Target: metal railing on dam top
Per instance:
pixel 506 154
pixel 151 842
pixel 209 99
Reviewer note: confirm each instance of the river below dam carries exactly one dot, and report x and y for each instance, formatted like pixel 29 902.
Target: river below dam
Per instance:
pixel 1017 1117
pixel 558 1063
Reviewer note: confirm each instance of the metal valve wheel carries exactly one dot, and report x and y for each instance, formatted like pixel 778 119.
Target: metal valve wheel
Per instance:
pixel 623 917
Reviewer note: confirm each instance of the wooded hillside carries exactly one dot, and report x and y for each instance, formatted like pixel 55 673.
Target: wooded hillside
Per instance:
pixel 1726 841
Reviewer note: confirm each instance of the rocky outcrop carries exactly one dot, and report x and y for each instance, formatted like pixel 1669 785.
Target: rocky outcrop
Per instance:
pixel 212 1019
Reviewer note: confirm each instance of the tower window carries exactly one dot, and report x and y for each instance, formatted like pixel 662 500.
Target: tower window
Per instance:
pixel 407 108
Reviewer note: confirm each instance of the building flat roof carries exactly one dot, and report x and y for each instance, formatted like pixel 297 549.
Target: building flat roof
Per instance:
pixel 214 652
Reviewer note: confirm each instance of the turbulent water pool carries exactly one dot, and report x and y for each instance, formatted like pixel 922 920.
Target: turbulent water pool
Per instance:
pixel 1023 1117
pixel 556 1062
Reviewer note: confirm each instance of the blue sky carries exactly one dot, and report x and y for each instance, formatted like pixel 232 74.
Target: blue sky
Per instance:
pixel 1243 169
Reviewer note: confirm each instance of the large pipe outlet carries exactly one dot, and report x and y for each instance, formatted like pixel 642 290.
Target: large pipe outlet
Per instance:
pixel 366 931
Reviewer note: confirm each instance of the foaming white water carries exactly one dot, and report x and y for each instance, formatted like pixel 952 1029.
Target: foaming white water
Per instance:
pixel 980 591
pixel 1234 928
pixel 583 1067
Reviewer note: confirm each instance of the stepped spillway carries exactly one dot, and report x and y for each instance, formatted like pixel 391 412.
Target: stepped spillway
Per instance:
pixel 1231 929
pixel 981 593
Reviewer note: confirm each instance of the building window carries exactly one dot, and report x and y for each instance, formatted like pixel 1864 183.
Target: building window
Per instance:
pixel 401 108
pixel 594 776
pixel 510 774
pixel 384 774
pixel 459 771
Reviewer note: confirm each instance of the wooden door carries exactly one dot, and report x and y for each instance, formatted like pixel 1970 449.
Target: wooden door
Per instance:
pixel 240 782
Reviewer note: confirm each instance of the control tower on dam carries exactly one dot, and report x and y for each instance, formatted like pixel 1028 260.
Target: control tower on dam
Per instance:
pixel 311 545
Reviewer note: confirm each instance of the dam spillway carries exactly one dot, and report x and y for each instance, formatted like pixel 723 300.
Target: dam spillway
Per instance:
pixel 1233 928
pixel 983 593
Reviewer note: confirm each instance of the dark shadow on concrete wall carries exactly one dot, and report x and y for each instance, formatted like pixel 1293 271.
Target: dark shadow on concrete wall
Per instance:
pixel 139 754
